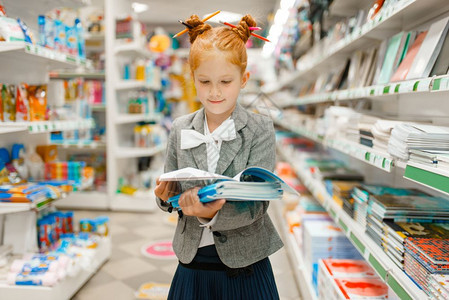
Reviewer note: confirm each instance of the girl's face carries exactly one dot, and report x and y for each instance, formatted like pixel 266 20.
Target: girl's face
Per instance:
pixel 218 83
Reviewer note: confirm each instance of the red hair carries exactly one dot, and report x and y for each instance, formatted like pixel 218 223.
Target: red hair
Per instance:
pixel 230 41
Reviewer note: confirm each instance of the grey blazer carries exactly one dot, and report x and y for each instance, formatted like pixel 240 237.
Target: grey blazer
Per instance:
pixel 243 233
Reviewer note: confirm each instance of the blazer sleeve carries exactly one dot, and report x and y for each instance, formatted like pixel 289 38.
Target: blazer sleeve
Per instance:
pixel 234 215
pixel 171 162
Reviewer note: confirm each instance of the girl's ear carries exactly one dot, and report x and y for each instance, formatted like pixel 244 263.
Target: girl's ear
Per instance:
pixel 245 78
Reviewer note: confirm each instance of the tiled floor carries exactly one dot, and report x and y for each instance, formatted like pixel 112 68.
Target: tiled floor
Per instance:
pixel 127 268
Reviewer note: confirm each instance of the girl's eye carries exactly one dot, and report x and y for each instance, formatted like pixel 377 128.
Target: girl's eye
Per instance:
pixel 226 81
pixel 204 81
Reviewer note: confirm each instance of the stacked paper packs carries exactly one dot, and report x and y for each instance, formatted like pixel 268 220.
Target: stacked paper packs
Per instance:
pixel 349 279
pixel 382 132
pixel 407 136
pixel 425 257
pixel 439 286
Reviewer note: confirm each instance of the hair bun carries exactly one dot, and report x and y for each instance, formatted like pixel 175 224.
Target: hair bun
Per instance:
pixel 242 29
pixel 197 27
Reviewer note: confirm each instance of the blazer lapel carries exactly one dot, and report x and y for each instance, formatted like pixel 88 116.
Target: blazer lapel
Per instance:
pixel 229 149
pixel 199 153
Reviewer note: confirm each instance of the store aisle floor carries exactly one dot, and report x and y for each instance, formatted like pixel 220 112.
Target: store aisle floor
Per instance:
pixel 128 268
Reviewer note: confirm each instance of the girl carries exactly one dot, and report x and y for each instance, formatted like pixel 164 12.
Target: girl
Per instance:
pixel 222 247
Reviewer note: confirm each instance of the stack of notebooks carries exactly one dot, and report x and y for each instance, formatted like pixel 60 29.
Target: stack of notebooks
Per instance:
pixel 381 131
pixel 331 169
pixel 425 257
pixel 349 279
pixel 392 218
pixel 364 194
pixel 252 184
pixel 341 193
pixel 366 123
pixel 408 136
pixel 434 158
pixel 323 239
pixel 439 286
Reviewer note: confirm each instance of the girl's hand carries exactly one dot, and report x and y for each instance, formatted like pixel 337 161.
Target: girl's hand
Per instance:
pixel 191 205
pixel 166 189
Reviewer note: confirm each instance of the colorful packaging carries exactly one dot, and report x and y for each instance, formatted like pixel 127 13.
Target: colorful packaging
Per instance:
pixel 29 278
pixel 37 97
pixel 10 30
pixel 22 104
pixel 26 32
pixel 50 33
pixel 60 36
pixel 71 40
pixel 9 103
pixel 79 32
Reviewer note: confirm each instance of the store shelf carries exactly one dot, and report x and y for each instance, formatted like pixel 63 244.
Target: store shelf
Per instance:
pixel 8 207
pixel 84 200
pixel 50 126
pixel 366 154
pixel 303 276
pixel 122 202
pixel 386 23
pixel 130 152
pixel 431 84
pixel 347 8
pixel 8 129
pixel 133 118
pixel 29 54
pixel 76 74
pixel 82 145
pixel 66 288
pixel 393 276
pixel 432 177
pixel 127 85
pixel 132 49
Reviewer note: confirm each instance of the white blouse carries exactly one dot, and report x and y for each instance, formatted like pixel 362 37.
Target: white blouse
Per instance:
pixel 207 237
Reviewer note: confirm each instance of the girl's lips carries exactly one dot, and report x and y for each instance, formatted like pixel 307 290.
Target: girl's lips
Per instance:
pixel 215 102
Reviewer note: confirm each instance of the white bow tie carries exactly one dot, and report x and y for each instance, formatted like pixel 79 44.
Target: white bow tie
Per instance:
pixel 191 138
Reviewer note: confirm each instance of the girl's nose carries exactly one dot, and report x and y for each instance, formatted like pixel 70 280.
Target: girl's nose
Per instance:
pixel 215 93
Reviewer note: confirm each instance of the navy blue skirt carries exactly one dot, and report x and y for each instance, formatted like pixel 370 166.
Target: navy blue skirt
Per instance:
pixel 207 278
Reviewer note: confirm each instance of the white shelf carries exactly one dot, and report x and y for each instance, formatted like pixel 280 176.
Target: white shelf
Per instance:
pixel 385 24
pixel 132 49
pixel 366 154
pixel 430 84
pixel 8 129
pixel 133 118
pixel 347 8
pixel 85 200
pixel 122 202
pixel 127 85
pixel 50 126
pixel 82 145
pixel 302 274
pixel 131 152
pixel 76 74
pixel 29 54
pixel 393 276
pixel 66 288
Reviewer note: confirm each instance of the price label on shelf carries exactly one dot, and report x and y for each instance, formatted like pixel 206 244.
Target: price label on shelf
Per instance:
pixel 440 84
pixel 423 85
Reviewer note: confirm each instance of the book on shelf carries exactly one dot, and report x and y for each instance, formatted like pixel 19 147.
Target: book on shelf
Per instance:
pixel 380 59
pixel 368 67
pixel 404 67
pixel 390 57
pixel 429 50
pixel 441 65
pixel 252 184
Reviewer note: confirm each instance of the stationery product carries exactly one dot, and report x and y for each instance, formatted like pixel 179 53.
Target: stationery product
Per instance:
pixel 429 50
pixel 390 57
pixel 253 34
pixel 204 20
pixel 441 65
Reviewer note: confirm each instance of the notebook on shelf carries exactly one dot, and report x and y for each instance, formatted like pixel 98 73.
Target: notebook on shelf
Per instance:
pixel 404 67
pixel 429 50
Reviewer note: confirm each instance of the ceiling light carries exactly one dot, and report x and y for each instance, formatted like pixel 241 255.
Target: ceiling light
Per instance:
pixel 225 16
pixel 139 7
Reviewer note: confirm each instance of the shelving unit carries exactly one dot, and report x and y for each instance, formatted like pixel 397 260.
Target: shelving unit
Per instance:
pixel 47 126
pixel 398 281
pixel 132 152
pixel 380 92
pixel 407 13
pixel 303 276
pixel 121 157
pixel 66 288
